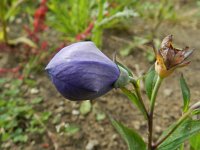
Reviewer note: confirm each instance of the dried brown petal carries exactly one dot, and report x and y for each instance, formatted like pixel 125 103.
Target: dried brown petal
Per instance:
pixel 167 42
pixel 169 58
pixel 177 59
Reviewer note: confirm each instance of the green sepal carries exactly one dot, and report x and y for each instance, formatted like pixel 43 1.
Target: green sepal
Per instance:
pixel 124 77
pixel 126 68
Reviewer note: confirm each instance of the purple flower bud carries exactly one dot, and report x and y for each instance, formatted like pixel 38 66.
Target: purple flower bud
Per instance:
pixel 81 71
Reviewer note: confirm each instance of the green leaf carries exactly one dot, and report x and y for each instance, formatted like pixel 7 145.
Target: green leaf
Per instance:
pixel 195 142
pixel 3 81
pixel 195 112
pixel 126 51
pixel 187 129
pixel 36 100
pixel 85 107
pixel 134 99
pixel 100 116
pixel 12 92
pixel 181 147
pixel 30 82
pixel 13 9
pixel 186 93
pixel 5 136
pixel 45 115
pixel 20 138
pixel 133 140
pixel 150 56
pixel 72 129
pixel 150 81
pixel 126 13
pixel 1 36
pixel 56 119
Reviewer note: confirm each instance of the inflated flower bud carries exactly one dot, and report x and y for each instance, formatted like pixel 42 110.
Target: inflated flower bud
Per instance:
pixel 81 71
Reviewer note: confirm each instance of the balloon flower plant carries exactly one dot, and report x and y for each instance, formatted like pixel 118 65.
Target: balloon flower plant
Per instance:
pixel 82 72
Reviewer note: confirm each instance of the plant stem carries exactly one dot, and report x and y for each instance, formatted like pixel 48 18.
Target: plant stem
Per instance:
pixel 173 129
pixel 150 120
pixel 3 19
pixel 138 93
pixel 4 24
pixel 97 31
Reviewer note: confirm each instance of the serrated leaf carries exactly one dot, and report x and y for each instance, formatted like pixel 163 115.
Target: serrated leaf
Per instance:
pixel 150 81
pixel 133 140
pixel 186 93
pixel 187 129
pixel 195 142
pixel 134 99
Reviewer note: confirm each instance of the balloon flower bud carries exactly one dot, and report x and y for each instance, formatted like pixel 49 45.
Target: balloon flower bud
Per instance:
pixel 169 58
pixel 81 71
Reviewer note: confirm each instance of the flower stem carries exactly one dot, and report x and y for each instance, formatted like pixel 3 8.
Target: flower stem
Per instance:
pixel 3 20
pixel 150 120
pixel 185 115
pixel 4 24
pixel 138 93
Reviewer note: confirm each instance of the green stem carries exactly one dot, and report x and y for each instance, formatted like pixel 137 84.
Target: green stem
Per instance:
pixel 4 24
pixel 3 19
pixel 138 93
pixel 97 31
pixel 150 120
pixel 173 129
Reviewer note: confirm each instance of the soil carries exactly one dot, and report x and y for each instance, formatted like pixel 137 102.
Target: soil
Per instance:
pixel 101 135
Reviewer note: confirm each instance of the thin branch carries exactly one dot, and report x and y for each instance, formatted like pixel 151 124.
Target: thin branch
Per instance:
pixel 138 93
pixel 150 120
pixel 180 121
